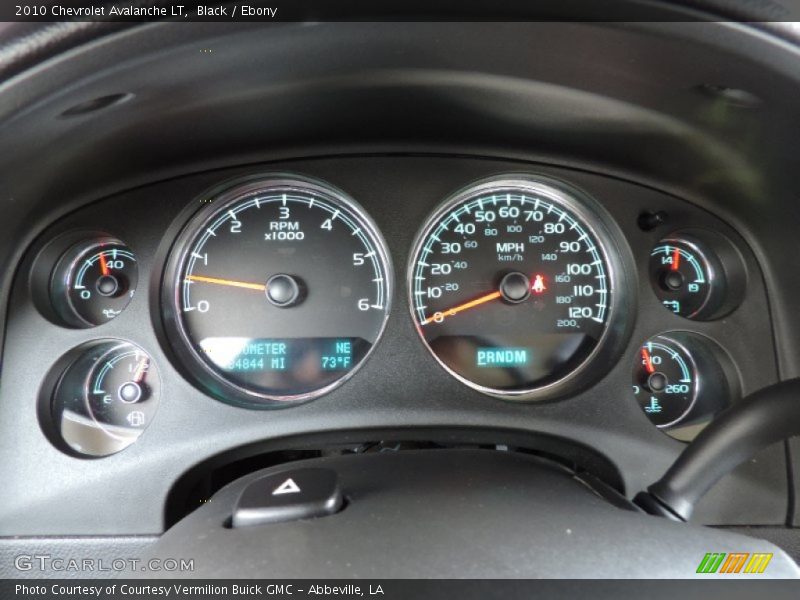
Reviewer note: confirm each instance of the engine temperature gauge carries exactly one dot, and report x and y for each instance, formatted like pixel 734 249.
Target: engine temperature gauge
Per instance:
pixel 666 382
pixel 93 282
pixel 681 380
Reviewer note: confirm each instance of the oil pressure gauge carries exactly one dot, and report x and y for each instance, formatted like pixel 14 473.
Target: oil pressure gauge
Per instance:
pixel 93 282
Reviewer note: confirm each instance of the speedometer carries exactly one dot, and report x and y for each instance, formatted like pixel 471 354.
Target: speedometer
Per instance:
pixel 277 290
pixel 512 288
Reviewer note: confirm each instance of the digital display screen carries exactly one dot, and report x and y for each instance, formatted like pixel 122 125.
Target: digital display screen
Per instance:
pixel 502 357
pixel 259 355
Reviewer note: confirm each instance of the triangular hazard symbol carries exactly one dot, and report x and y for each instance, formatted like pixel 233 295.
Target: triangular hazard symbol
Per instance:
pixel 287 487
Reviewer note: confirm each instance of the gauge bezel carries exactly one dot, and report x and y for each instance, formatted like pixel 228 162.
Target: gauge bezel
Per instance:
pixel 215 202
pixel 64 372
pixel 705 262
pixel 698 379
pixel 599 224
pixel 87 383
pixel 63 276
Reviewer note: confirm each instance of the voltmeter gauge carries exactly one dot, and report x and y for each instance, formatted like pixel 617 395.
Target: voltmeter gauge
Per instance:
pixel 697 275
pixel 106 396
pixel 513 288
pixel 93 282
pixel 682 277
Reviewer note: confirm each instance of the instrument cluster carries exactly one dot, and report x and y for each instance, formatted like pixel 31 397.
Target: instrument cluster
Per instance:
pixel 276 289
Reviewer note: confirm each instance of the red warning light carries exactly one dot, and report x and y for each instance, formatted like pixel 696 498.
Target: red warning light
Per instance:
pixel 538 285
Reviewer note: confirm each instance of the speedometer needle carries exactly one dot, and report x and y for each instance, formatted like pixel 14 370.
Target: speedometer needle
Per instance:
pixel 462 307
pixel 240 284
pixel 515 287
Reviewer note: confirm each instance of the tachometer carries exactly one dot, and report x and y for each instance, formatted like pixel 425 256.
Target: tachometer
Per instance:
pixel 511 286
pixel 277 291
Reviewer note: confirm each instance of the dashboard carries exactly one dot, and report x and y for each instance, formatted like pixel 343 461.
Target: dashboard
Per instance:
pixel 398 302
pixel 459 252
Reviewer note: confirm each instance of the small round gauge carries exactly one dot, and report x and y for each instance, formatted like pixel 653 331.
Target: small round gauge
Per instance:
pixel 93 282
pixel 277 291
pixel 105 398
pixel 511 287
pixel 665 381
pixel 683 277
pixel 681 380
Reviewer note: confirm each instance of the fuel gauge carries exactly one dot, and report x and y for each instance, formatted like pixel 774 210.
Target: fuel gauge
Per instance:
pixel 104 398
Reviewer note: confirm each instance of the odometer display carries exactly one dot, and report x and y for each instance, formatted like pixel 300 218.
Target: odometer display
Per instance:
pixel 511 287
pixel 281 289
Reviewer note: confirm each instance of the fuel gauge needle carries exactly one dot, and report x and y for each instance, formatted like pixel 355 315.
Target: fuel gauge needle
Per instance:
pixel 141 370
pixel 229 282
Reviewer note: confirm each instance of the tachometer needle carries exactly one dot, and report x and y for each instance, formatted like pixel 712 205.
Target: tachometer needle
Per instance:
pixel 462 307
pixel 240 284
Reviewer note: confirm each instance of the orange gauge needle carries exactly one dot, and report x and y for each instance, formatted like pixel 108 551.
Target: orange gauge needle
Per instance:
pixel 648 362
pixel 103 265
pixel 462 307
pixel 141 369
pixel 676 259
pixel 240 284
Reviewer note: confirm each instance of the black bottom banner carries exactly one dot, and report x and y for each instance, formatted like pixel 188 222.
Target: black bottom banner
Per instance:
pixel 392 589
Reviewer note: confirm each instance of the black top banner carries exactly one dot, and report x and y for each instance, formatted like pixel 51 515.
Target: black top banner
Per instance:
pixel 390 10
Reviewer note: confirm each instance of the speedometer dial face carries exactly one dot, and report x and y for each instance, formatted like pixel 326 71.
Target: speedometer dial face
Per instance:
pixel 511 288
pixel 281 289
